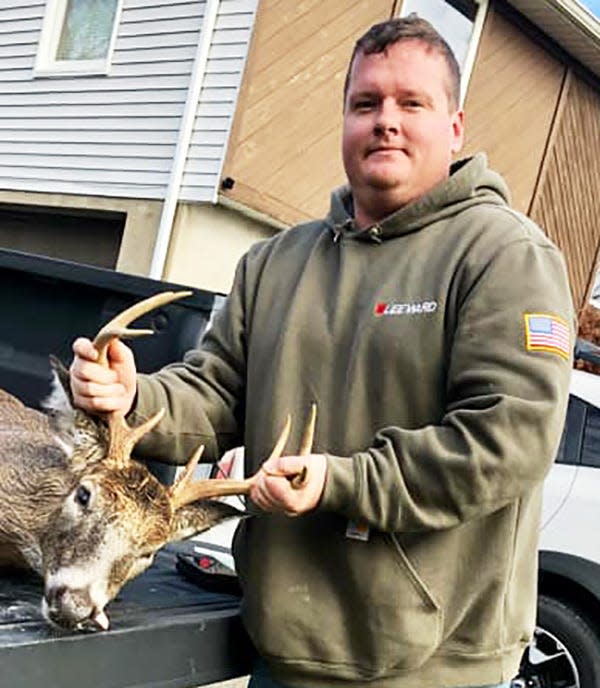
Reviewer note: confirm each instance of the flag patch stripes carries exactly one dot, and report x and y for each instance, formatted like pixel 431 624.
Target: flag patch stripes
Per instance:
pixel 544 332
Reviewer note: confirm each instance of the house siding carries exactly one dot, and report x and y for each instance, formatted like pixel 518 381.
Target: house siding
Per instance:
pixel 116 135
pixel 218 98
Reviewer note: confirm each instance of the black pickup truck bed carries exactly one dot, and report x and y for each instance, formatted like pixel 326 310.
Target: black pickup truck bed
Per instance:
pixel 166 632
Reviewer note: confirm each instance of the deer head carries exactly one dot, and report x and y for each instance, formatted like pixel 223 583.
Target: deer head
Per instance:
pixel 86 515
pixel 116 514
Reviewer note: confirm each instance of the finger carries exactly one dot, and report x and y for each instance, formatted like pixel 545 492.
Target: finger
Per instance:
pixel 262 498
pixel 87 389
pixel 289 466
pixel 280 493
pixel 84 348
pixel 100 404
pixel 119 353
pixel 86 371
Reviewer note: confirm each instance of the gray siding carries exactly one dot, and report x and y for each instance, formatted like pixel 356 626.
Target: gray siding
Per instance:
pixel 115 135
pixel 216 106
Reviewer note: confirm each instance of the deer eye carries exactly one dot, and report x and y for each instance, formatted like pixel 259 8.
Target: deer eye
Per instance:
pixel 83 495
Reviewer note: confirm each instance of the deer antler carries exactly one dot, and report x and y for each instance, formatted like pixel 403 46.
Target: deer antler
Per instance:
pixel 123 437
pixel 185 491
pixel 117 328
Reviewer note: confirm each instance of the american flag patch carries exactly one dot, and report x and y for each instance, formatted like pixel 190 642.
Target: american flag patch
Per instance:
pixel 545 332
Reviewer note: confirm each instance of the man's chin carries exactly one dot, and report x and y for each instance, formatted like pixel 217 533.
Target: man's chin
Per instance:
pixel 384 182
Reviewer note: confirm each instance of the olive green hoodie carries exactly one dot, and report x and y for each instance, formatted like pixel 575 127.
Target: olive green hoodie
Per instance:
pixel 440 413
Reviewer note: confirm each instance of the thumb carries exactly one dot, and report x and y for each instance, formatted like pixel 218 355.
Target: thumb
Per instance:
pixel 290 465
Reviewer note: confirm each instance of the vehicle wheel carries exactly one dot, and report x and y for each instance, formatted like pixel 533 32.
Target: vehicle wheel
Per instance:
pixel 565 651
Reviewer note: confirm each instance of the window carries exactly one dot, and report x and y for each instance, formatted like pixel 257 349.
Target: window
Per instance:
pixel 77 37
pixel 590 454
pixel 569 450
pixel 460 23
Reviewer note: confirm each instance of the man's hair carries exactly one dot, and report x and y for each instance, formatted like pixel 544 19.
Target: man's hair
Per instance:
pixel 411 28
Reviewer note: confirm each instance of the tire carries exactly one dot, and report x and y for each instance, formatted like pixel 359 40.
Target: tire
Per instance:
pixel 565 652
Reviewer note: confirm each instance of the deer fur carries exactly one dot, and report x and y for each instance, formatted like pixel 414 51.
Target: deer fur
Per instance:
pixel 75 508
pixel 78 510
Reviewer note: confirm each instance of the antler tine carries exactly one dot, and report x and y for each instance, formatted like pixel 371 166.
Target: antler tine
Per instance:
pixel 282 439
pixel 309 432
pixel 177 489
pixel 306 447
pixel 123 438
pixel 117 327
pixel 185 491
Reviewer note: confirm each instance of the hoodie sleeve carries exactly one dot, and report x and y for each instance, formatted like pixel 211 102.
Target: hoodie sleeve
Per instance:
pixel 203 395
pixel 506 400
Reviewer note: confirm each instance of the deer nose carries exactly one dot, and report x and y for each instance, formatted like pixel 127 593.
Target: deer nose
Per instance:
pixel 66 607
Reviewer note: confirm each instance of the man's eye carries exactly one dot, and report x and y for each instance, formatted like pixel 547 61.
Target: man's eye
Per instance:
pixel 363 104
pixel 412 104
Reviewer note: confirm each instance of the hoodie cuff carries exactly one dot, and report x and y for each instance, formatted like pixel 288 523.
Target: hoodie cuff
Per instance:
pixel 340 491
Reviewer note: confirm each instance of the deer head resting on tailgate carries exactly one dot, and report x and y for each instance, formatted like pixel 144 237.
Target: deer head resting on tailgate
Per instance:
pixel 76 508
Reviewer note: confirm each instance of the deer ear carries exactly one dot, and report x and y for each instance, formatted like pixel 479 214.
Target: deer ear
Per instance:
pixel 82 435
pixel 199 516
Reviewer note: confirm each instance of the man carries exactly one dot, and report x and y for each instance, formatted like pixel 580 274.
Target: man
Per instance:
pixel 431 325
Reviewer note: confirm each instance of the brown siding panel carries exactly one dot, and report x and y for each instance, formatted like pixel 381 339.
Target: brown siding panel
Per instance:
pixel 568 203
pixel 284 152
pixel 512 98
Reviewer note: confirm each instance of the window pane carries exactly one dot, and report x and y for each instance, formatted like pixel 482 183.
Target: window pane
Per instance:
pixel 87 29
pixel 590 455
pixel 452 18
pixel 571 440
pixel 560 454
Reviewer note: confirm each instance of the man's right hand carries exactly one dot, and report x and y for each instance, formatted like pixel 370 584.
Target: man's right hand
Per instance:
pixel 97 388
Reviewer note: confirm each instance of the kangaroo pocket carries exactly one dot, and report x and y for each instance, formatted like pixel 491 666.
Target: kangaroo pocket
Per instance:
pixel 314 597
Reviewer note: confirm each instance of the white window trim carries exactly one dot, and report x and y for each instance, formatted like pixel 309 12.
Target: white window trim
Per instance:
pixel 467 68
pixel 47 65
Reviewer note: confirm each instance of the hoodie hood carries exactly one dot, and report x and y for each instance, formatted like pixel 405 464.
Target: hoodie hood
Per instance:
pixel 470 183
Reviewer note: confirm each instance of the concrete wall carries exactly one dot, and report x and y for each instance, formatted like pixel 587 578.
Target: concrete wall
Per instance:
pixel 207 243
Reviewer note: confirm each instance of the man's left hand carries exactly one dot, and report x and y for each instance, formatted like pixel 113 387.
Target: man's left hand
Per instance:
pixel 274 492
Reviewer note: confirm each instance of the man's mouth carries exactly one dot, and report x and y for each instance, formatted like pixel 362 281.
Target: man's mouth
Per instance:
pixel 385 149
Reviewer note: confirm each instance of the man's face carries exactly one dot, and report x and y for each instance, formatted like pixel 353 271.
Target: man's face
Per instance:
pixel 400 130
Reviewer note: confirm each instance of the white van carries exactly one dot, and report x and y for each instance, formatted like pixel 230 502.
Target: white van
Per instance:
pixel 565 652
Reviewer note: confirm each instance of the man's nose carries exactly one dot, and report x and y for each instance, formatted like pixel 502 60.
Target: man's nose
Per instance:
pixel 388 119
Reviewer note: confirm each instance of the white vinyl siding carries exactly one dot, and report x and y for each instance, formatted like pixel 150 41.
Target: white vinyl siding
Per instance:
pixel 115 135
pixel 216 105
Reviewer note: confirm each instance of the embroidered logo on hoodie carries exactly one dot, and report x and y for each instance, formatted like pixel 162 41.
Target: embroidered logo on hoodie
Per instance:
pixel 414 308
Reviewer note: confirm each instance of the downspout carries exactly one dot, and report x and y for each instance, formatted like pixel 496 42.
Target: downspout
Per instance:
pixel 165 227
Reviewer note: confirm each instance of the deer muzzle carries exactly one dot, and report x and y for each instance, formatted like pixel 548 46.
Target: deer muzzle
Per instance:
pixel 73 609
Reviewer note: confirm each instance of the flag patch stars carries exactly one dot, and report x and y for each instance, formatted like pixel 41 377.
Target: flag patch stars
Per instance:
pixel 544 332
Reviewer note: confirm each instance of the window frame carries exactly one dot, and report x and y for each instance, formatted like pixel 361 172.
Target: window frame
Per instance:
pixel 467 68
pixel 46 63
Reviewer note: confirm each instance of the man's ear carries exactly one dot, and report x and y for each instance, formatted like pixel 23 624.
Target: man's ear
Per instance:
pixel 195 518
pixel 458 131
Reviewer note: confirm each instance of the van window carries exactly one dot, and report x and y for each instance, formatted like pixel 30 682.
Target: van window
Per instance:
pixel 590 451
pixel 569 450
